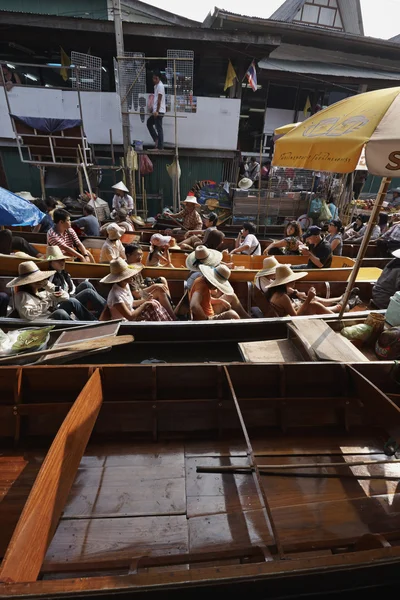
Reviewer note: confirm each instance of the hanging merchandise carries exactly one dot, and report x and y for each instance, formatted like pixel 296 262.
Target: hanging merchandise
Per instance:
pixel 315 209
pixel 325 214
pixel 146 166
pixel 174 169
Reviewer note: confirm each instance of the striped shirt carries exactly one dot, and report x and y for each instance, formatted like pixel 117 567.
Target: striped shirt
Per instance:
pixel 68 238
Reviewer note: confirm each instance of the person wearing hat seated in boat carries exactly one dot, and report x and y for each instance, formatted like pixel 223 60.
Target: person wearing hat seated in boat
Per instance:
pixel 121 199
pixel 85 292
pixel 267 274
pixel 123 220
pixel 37 298
pixel 246 242
pixel 388 283
pixel 112 247
pixel 201 256
pixel 89 222
pixel 120 300
pixel 63 236
pixel 289 244
pixel 318 252
pixel 10 243
pixel 144 288
pixel 159 251
pixel 279 293
pixel 212 296
pixel 196 237
pixel 191 219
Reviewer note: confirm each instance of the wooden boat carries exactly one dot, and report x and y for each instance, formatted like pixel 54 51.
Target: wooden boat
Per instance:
pixel 9 266
pixel 160 479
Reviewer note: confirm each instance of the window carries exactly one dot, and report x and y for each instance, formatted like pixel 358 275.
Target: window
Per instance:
pixel 324 13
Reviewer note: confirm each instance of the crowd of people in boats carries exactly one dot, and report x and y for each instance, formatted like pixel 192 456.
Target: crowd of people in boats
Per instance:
pixel 52 294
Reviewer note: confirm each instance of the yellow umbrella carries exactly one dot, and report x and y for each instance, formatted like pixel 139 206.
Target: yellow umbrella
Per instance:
pixel 334 138
pixel 280 131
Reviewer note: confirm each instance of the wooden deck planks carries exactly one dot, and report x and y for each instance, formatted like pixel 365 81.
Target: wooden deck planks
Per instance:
pixel 270 351
pixel 210 493
pixel 100 540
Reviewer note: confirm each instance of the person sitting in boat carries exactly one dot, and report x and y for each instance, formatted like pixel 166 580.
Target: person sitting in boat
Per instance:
pixel 123 220
pixel 121 199
pixel 278 293
pixel 334 237
pixel 145 288
pixel 15 244
pixel 201 256
pixel 159 251
pixel 388 283
pixel 37 298
pixel 120 300
pixel 199 237
pixel 65 237
pixel 113 247
pixel 267 274
pixel 47 222
pixel 389 241
pixel 89 222
pixel 358 236
pixel 212 296
pixel 246 242
pixel 85 292
pixel 354 227
pixel 191 219
pixel 290 243
pixel 318 252
pixel 4 301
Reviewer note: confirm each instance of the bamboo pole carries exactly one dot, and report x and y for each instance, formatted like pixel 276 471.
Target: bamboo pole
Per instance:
pixel 177 194
pixel 42 184
pixel 112 156
pixel 364 244
pixel 80 181
pixel 88 182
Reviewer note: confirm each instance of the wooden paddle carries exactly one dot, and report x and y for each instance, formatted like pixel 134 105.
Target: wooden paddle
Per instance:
pixel 104 342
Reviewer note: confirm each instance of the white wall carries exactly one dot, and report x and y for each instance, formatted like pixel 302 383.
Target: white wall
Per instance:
pixel 277 117
pixel 214 126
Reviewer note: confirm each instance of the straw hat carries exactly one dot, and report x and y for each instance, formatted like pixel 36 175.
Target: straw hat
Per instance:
pixel 218 277
pixel 120 270
pixel 245 183
pixel 284 275
pixel 29 272
pixel 120 186
pixel 191 200
pixel 160 240
pixel 26 196
pixel 55 253
pixel 269 267
pixel 203 256
pixel 114 232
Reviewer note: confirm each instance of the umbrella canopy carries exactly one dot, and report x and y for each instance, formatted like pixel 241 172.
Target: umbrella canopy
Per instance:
pixel 14 210
pixel 333 139
pixel 280 131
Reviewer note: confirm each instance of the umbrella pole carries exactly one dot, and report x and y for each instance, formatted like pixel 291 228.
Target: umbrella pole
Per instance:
pixel 364 244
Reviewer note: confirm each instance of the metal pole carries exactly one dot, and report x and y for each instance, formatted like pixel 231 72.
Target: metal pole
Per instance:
pixel 112 155
pixel 365 241
pixel 177 194
pixel 119 39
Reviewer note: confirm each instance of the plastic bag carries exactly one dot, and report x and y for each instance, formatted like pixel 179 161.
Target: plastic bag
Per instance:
pixel 315 209
pixel 325 214
pixel 360 332
pixel 146 166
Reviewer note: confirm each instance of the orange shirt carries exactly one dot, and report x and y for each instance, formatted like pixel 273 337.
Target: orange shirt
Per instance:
pixel 203 289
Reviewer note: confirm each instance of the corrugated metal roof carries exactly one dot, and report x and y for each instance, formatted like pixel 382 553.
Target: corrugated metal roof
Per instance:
pixel 320 68
pixel 288 10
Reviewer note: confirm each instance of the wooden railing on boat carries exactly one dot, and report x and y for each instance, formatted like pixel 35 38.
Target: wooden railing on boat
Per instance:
pixel 318 486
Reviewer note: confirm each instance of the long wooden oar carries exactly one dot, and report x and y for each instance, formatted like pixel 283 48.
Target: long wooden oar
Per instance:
pixel 230 468
pixel 104 342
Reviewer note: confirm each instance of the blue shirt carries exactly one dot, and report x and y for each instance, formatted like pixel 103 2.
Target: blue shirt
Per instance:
pixel 90 224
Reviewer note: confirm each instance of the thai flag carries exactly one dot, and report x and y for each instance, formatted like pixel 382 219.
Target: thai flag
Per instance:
pixel 252 76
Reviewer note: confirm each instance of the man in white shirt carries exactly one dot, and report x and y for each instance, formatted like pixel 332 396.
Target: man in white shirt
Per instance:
pixel 246 242
pixel 154 122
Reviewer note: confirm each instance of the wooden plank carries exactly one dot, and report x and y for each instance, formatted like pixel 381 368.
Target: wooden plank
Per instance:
pixel 325 343
pixel 269 351
pixel 228 531
pixel 46 501
pixel 219 493
pixel 214 448
pixel 101 540
pixel 313 444
pixel 382 411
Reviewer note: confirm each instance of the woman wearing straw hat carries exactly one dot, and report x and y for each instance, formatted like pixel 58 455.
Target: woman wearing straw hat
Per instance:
pixel 120 300
pixel 159 251
pixel 201 256
pixel 37 298
pixel 122 199
pixel 267 274
pixel 279 295
pixel 85 292
pixel 224 304
pixel 112 247
pixel 191 219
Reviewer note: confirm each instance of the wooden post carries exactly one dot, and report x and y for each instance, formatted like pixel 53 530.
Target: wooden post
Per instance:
pixel 80 181
pixel 112 156
pixel 364 244
pixel 42 184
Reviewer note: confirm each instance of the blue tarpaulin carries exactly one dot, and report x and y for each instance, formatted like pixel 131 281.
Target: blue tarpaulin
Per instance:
pixel 48 125
pixel 14 210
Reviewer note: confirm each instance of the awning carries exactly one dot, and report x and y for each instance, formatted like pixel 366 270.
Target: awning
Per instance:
pixel 48 125
pixel 323 68
pixel 14 210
